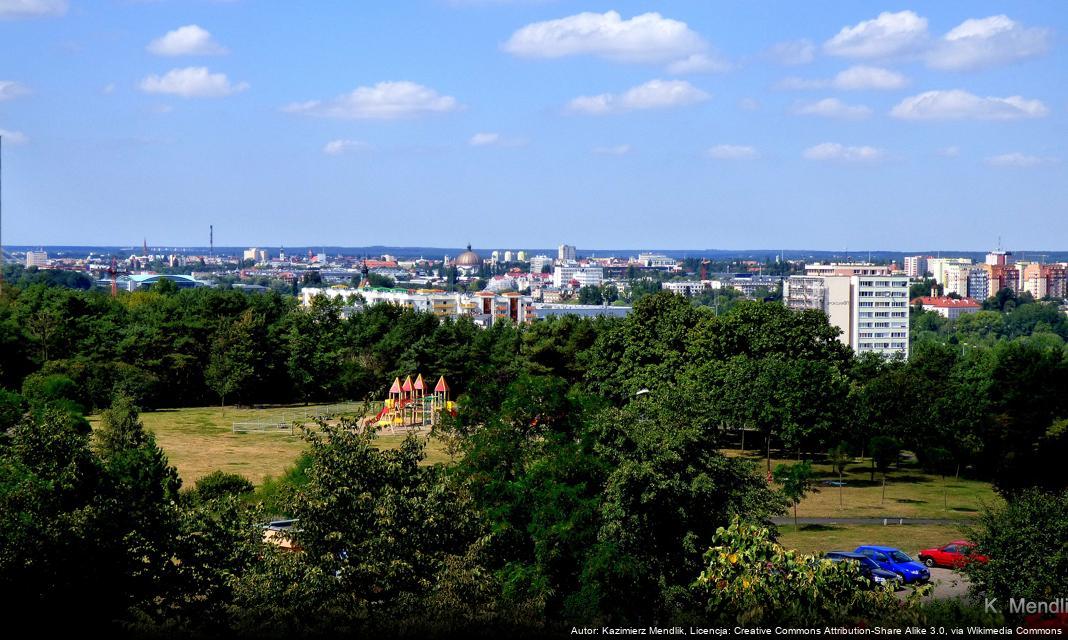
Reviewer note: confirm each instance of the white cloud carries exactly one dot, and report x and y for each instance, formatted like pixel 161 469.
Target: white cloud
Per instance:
pixel 108 89
pixel 732 152
pixel 655 94
pixel 699 63
pixel 383 101
pixel 985 42
pixel 841 153
pixel 483 139
pixel 192 82
pixel 749 104
pixel 14 9
pixel 10 90
pixel 1017 159
pixel 949 152
pixel 617 150
pixel 792 53
pixel 956 104
pixel 859 77
pixel 889 34
pixel 648 38
pixel 190 40
pixel 338 147
pixel 832 108
pixel 14 137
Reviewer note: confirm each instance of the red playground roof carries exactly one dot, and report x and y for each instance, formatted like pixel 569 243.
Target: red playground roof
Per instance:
pixel 441 386
pixel 407 386
pixel 396 388
pixel 419 384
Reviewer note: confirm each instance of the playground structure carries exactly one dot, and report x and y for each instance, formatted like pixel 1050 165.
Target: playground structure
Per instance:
pixel 411 407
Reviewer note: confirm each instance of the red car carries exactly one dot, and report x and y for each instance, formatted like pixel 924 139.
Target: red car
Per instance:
pixel 954 555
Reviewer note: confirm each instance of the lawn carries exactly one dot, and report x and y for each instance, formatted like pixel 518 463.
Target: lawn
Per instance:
pixel 909 538
pixel 201 440
pixel 910 493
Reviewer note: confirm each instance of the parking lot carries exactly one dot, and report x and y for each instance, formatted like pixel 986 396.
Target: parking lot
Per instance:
pixel 947 584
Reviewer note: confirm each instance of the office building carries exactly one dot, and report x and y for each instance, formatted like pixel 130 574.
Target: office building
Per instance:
pixel 576 276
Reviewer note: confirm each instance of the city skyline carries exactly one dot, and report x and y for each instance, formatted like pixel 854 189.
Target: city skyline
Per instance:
pixel 606 124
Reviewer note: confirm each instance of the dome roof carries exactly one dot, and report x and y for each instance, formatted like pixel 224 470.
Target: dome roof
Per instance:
pixel 468 259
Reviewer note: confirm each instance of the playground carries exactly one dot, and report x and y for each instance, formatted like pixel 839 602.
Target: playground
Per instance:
pixel 412 406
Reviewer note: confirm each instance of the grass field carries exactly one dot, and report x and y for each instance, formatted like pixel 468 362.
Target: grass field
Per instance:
pixel 200 440
pixel 910 493
pixel 910 538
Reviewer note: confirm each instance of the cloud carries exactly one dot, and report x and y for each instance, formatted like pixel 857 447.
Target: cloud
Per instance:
pixel 383 101
pixel 108 89
pixel 338 147
pixel 832 151
pixel 647 38
pixel 732 152
pixel 793 53
pixel 14 137
pixel 1017 159
pixel 859 77
pixel 889 34
pixel 986 42
pixel 655 94
pixel 832 108
pixel 617 150
pixel 14 9
pixel 749 104
pixel 9 90
pixel 699 63
pixel 190 40
pixel 192 82
pixel 949 152
pixel 483 139
pixel 956 104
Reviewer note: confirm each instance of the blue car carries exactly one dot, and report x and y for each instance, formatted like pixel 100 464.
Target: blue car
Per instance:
pixel 896 561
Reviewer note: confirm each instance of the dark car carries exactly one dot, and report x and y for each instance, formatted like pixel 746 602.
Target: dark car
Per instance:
pixel 897 561
pixel 869 569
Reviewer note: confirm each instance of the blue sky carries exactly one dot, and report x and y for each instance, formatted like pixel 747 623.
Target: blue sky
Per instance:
pixel 684 125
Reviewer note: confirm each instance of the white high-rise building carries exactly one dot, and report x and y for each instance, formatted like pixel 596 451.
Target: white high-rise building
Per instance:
pixel 585 276
pixel 938 266
pixel 566 253
pixel 915 266
pixel 36 258
pixel 538 263
pixel 871 310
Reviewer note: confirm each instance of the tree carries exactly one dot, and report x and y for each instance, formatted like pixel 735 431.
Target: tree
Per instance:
pixel 940 460
pixel 796 481
pixel 234 355
pixel 590 294
pixel 885 451
pixel 840 457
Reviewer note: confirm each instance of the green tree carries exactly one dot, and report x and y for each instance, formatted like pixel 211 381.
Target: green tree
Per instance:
pixel 796 481
pixel 884 451
pixel 234 357
pixel 840 457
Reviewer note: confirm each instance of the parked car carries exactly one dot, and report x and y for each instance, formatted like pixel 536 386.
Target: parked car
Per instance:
pixel 954 555
pixel 897 561
pixel 872 573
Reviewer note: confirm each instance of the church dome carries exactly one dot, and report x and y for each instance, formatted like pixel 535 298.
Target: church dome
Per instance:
pixel 468 259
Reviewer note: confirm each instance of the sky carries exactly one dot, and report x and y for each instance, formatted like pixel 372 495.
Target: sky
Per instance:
pixel 531 123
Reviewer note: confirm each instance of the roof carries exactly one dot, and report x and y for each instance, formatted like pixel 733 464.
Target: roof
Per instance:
pixel 407 386
pixel 396 388
pixel 946 302
pixel 877 547
pixel 441 385
pixel 419 384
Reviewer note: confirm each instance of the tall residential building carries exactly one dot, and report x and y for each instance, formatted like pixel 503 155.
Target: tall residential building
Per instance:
pixel 915 266
pixel 999 257
pixel 539 262
pixel 566 253
pixel 36 258
pixel 585 276
pixel 956 279
pixel 1002 276
pixel 870 309
pixel 979 284
pixel 937 267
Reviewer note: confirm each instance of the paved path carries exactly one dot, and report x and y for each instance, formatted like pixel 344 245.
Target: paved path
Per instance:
pixel 876 521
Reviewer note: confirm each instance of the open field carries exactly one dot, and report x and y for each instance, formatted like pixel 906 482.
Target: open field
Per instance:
pixel 200 440
pixel 910 493
pixel 812 538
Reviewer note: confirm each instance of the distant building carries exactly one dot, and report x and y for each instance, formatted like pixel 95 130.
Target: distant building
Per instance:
pixel 258 256
pixel 688 288
pixel 584 276
pixel 871 310
pixel 951 308
pixel 750 284
pixel 656 261
pixel 915 266
pixel 999 257
pixel 566 253
pixel 144 280
pixel 545 310
pixel 485 307
pixel 846 269
pixel 468 262
pixel 521 256
pixel 539 262
pixel 36 258
pixel 937 267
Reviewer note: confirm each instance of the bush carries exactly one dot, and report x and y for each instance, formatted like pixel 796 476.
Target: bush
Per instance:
pixel 42 391
pixel 12 406
pixel 219 483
